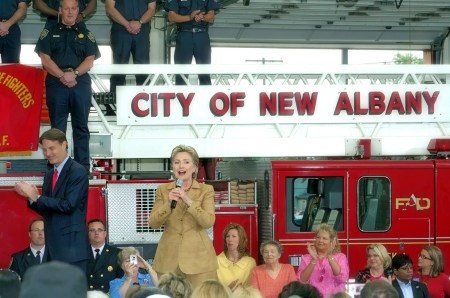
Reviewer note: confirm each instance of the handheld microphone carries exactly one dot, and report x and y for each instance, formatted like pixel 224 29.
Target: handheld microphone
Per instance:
pixel 178 184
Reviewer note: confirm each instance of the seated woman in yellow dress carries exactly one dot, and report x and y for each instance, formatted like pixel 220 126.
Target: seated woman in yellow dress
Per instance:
pixel 235 264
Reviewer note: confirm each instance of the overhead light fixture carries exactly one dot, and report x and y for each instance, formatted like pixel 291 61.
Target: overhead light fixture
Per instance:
pixel 347 3
pixel 398 3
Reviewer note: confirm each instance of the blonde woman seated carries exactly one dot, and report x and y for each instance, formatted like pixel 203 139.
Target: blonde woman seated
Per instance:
pixel 141 273
pixel 246 292
pixel 235 264
pixel 431 269
pixel 271 277
pixel 378 265
pixel 324 267
pixel 211 288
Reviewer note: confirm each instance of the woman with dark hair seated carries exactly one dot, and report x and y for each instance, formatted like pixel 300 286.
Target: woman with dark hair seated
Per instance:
pixel 403 282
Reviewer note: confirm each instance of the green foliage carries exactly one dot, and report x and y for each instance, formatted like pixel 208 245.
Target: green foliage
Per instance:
pixel 407 59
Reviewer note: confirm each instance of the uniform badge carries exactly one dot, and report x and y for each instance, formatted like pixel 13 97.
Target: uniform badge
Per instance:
pixel 110 268
pixel 44 33
pixel 80 35
pixel 91 36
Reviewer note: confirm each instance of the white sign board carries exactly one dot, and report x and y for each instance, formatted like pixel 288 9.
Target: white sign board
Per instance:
pixel 171 105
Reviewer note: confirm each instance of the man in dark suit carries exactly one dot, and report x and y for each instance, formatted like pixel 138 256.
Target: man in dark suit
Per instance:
pixel 403 283
pixel 63 202
pixel 35 253
pixel 102 266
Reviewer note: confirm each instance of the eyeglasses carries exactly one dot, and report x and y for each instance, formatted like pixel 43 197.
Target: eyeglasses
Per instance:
pixel 96 230
pixel 424 257
pixel 322 273
pixel 37 230
pixel 407 267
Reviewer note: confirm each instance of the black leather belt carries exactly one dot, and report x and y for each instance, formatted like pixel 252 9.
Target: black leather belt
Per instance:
pixel 193 30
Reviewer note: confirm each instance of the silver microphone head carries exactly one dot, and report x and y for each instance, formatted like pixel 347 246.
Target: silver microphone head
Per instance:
pixel 179 183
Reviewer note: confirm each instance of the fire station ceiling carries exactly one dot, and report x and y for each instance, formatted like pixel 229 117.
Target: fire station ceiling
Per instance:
pixel 348 23
pixel 390 24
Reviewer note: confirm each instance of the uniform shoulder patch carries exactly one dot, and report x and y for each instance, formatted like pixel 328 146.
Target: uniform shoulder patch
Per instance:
pixel 91 36
pixel 44 33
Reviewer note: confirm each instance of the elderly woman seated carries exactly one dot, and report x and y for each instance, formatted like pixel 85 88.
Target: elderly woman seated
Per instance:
pixel 137 272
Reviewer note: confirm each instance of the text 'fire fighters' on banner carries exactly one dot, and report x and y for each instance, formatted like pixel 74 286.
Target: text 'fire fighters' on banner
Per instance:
pixel 160 105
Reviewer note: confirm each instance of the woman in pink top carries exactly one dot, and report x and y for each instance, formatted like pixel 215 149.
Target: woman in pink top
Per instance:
pixel 271 277
pixel 324 267
pixel 431 269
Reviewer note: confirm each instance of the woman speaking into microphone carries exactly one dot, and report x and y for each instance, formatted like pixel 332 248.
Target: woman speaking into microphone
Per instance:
pixel 186 209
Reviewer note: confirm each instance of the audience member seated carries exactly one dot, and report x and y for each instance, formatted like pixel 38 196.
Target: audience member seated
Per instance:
pixel 246 292
pixel 272 276
pixel 431 269
pixel 403 283
pixel 299 289
pixel 211 288
pixel 9 284
pixel 324 267
pixel 96 294
pixel 54 279
pixel 175 285
pixel 102 265
pixel 141 273
pixel 379 289
pixel 35 253
pixel 235 264
pixel 378 265
pixel 340 295
pixel 145 291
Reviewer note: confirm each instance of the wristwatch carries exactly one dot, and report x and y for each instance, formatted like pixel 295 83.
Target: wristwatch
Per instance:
pixel 76 72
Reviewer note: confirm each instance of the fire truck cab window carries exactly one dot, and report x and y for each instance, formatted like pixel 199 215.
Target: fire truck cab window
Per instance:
pixel 374 204
pixel 312 201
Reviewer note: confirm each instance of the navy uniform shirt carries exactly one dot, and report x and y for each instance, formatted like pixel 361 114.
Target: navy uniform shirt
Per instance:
pixel 67 46
pixel 9 7
pixel 185 7
pixel 132 9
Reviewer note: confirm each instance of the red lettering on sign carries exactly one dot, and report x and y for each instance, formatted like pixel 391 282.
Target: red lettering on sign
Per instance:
pixel 358 109
pixel 344 104
pixel 430 100
pixel 280 103
pixel 135 105
pixel 185 102
pixel 376 103
pixel 395 103
pixel 213 104
pixel 235 102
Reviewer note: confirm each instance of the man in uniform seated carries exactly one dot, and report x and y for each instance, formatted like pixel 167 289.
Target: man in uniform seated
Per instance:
pixel 35 253
pixel 103 266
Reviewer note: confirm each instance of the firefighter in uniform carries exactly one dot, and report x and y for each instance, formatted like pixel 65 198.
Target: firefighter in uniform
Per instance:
pixel 102 265
pixel 49 9
pixel 68 51
pixel 11 12
pixel 130 34
pixel 193 18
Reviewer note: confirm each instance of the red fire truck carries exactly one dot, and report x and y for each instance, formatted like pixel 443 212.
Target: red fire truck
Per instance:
pixel 372 177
